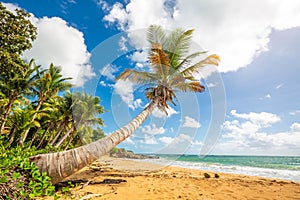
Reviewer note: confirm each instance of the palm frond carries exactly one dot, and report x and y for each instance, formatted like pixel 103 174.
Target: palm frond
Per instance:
pixel 178 46
pixel 156 35
pixel 159 61
pixel 137 77
pixel 194 86
pixel 188 59
pixel 210 60
pixel 177 79
pixel 158 55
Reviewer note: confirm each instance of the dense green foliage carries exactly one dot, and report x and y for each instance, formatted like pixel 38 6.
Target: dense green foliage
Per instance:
pixel 16 36
pixel 38 113
pixel 16 31
pixel 36 107
pixel 20 179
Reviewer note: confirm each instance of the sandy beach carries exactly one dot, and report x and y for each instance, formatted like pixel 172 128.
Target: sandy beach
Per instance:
pixel 115 179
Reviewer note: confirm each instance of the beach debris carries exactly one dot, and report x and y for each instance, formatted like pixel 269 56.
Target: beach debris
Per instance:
pixel 90 196
pixel 84 183
pixel 217 176
pixel 69 183
pixel 206 175
pixel 111 181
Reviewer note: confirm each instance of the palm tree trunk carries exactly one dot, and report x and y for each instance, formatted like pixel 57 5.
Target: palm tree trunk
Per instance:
pixel 72 137
pixel 6 114
pixel 44 136
pixel 34 136
pixel 73 128
pixel 32 120
pixel 60 129
pixel 12 137
pixel 62 164
pixel 64 137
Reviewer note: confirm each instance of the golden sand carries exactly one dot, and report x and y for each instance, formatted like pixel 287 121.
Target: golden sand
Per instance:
pixel 146 181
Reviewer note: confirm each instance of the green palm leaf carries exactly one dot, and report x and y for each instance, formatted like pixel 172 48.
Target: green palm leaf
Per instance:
pixel 187 60
pixel 178 45
pixel 171 66
pixel 210 60
pixel 138 77
pixel 156 35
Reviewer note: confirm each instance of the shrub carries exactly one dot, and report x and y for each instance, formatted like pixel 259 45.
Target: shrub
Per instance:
pixel 20 179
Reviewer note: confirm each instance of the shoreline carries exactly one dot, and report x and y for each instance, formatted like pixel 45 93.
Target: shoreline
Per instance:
pixel 282 174
pixel 143 180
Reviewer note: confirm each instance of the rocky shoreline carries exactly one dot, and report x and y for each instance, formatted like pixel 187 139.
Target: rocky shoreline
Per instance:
pixel 122 153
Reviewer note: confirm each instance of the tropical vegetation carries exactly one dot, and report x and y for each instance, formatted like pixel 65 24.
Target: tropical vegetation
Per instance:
pixel 38 111
pixel 41 116
pixel 172 70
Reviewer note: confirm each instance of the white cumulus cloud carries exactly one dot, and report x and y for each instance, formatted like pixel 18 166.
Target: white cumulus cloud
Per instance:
pixel 149 139
pixel 180 139
pixel 153 130
pixel 190 122
pixel 122 44
pixel 295 127
pixel 124 88
pixel 136 104
pixel 295 112
pixel 108 71
pixel 262 119
pixel 242 135
pixel 117 14
pixel 61 44
pixel 236 30
pixel 139 56
pixel 160 114
pixel 129 141
pixel 166 140
pixel 211 85
pixel 246 134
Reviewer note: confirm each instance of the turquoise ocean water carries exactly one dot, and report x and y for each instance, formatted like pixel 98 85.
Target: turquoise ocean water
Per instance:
pixel 282 167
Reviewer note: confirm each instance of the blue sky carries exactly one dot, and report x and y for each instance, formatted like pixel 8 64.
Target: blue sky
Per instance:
pixel 251 104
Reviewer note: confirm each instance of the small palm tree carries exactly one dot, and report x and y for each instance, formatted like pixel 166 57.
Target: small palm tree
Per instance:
pixel 171 71
pixel 85 110
pixel 48 85
pixel 13 85
pixel 63 107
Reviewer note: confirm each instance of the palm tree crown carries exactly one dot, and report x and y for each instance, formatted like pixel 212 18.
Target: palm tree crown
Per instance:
pixel 171 68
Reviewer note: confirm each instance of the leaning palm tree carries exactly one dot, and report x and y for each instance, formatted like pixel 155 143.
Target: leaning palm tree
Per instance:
pixel 171 71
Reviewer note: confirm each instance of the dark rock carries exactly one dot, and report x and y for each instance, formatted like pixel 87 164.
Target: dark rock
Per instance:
pixel 206 175
pixel 122 153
